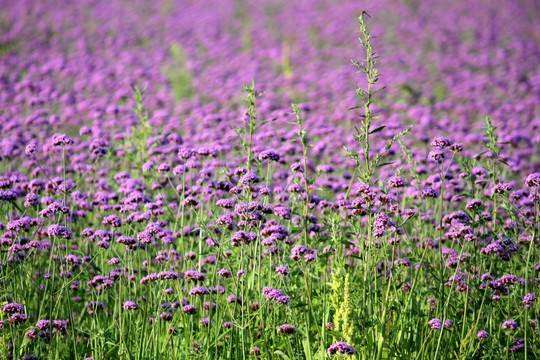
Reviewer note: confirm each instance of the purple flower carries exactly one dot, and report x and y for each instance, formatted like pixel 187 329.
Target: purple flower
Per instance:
pixel 436 156
pixel 397 182
pixel 224 273
pixel 17 319
pixel 194 276
pixel 112 220
pixel 190 309
pixel 249 179
pixel 199 291
pixel 270 155
pixel 43 324
pixel 287 329
pixel 510 324
pixel 533 180
pixel 12 308
pixel 62 140
pixel 529 299
pixel 441 142
pixel 429 193
pixel 482 334
pixel 435 324
pixel 30 149
pixel 114 261
pixel 275 295
pixel 282 269
pixel 341 347
pixel 148 166
pixel 166 316
pixel 130 305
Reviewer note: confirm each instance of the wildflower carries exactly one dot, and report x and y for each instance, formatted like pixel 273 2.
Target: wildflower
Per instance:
pixel 456 147
pixel 43 324
pixel 482 334
pixel 533 180
pixel 148 166
pixel 529 299
pixel 341 347
pixel 436 156
pixel 224 273
pixel 190 309
pixel 435 323
pixel 275 295
pixel 30 149
pixel 17 318
pixel 194 276
pixel 429 193
pixel 397 182
pixel 270 155
pixel 166 316
pixel 62 140
pixel 297 167
pixel 12 308
pixel 510 324
pixel 130 305
pixel 282 269
pixel 199 291
pixel 448 324
pixel 112 220
pixel 287 329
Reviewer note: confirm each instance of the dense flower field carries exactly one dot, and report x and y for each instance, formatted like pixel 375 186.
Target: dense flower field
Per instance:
pixel 216 179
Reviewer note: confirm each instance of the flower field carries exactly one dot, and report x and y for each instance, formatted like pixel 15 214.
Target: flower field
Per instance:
pixel 218 180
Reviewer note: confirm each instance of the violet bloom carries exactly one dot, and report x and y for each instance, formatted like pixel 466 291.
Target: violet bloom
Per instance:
pixel 190 309
pixel 17 319
pixel 194 276
pixel 529 299
pixel 225 273
pixel 436 156
pixel 482 334
pixel 166 316
pixel 12 308
pixel 510 324
pixel 270 155
pixel 282 269
pixel 130 305
pixel 341 347
pixel 397 182
pixel 448 324
pixel 199 291
pixel 275 295
pixel 30 149
pixel 43 324
pixel 533 180
pixel 435 324
pixel 112 220
pixel 114 261
pixel 287 329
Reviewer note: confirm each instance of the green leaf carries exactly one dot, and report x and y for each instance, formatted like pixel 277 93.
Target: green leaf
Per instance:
pixel 380 128
pixel 282 354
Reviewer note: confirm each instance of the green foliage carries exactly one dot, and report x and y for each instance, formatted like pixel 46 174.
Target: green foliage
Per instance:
pixel 179 75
